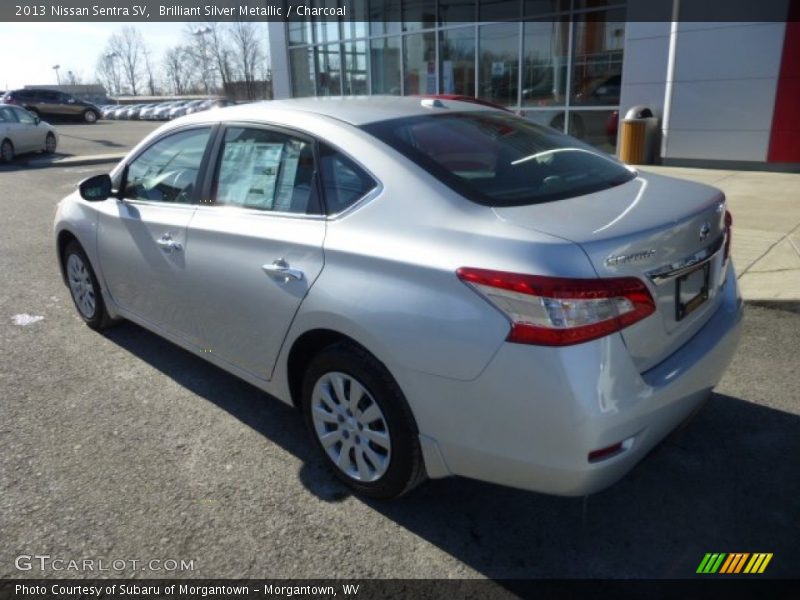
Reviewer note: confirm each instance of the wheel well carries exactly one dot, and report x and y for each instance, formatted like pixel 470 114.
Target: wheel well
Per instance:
pixel 303 350
pixel 64 238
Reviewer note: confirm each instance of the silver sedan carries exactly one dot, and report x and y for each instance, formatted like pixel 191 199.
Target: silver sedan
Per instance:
pixel 22 131
pixel 441 288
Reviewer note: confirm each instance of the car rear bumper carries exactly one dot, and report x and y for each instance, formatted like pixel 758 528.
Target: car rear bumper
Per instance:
pixel 534 414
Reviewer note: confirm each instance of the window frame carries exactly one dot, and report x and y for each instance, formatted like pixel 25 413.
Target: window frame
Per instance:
pixel 122 170
pixel 21 113
pixel 216 148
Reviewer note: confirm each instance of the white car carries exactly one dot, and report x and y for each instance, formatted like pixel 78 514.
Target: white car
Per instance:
pixel 22 131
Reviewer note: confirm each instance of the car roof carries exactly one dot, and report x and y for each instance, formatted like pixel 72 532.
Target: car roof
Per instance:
pixel 356 110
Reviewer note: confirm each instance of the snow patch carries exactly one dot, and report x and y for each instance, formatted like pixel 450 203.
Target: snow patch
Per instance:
pixel 25 319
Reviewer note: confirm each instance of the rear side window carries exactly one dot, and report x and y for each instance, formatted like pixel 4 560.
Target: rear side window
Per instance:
pixel 499 159
pixel 265 170
pixel 343 181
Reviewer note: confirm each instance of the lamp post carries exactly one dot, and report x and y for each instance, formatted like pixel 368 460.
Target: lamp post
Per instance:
pixel 201 32
pixel 58 77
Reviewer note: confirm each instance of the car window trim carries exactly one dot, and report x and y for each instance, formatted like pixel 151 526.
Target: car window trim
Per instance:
pixel 123 167
pixel 211 173
pixel 372 193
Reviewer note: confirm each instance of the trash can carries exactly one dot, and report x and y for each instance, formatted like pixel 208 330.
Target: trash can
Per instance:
pixel 637 137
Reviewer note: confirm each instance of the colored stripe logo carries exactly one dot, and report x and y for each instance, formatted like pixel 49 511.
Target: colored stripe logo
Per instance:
pixel 734 563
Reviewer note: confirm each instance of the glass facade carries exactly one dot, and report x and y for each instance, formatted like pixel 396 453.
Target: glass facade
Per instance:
pixel 556 62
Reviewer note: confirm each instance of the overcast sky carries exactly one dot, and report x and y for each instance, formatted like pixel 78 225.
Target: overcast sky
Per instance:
pixel 31 49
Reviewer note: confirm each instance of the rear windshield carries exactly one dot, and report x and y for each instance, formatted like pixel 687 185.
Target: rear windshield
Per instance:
pixel 500 159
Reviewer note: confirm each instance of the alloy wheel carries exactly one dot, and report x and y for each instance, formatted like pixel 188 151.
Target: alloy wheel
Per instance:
pixel 50 143
pixel 80 285
pixel 351 427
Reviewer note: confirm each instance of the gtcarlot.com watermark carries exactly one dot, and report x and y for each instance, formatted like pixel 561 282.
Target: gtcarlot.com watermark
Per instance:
pixel 46 562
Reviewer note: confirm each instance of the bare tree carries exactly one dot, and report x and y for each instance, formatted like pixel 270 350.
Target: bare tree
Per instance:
pixel 177 69
pixel 199 55
pixel 248 53
pixel 221 52
pixel 129 48
pixel 109 73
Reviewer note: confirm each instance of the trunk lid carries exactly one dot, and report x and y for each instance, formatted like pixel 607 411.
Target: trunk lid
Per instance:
pixel 654 228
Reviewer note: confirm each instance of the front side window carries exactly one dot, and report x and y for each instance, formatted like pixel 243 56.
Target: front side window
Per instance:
pixel 343 181
pixel 499 159
pixel 168 170
pixel 265 170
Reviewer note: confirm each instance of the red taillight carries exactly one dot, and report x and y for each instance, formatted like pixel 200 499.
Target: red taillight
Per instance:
pixel 555 311
pixel 728 234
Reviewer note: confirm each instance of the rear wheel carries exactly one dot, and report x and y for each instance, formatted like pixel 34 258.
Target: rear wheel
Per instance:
pixel 84 288
pixel 50 143
pixel 90 116
pixel 360 422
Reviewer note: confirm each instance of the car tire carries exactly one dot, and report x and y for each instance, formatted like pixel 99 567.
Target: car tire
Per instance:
pixel 6 151
pixel 50 144
pixel 84 287
pixel 90 116
pixel 367 435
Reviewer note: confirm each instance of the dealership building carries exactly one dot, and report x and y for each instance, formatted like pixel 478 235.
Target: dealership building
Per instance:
pixel 724 93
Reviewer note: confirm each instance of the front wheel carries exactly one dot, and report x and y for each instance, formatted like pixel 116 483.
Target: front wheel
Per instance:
pixel 360 422
pixel 90 116
pixel 84 288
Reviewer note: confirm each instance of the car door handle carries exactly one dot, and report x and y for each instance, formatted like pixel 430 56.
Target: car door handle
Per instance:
pixel 280 269
pixel 168 245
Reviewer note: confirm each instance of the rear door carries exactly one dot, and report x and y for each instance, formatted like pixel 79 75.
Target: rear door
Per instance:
pixel 256 245
pixel 142 241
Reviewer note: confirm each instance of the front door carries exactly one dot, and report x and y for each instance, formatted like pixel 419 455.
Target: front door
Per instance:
pixel 142 241
pixel 255 246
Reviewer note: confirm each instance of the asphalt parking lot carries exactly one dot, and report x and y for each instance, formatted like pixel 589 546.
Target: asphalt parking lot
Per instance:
pixel 81 139
pixel 123 446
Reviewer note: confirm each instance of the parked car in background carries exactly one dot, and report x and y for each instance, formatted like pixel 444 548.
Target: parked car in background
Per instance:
pixel 146 112
pixel 209 104
pixel 451 289
pixel 109 112
pixel 21 131
pixel 162 112
pixel 181 109
pixel 53 103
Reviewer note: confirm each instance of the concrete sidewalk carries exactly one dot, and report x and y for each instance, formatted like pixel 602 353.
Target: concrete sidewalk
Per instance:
pixel 766 227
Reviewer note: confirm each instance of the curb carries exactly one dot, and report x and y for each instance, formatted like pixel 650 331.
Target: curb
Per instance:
pixel 75 161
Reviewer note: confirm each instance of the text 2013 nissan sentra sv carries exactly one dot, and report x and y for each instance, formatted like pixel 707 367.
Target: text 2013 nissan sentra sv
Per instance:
pixel 442 288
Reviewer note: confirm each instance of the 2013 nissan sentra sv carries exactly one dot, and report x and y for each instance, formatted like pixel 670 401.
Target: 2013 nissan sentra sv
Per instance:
pixel 442 288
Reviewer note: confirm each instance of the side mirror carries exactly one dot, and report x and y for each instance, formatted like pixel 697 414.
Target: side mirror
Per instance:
pixel 36 119
pixel 95 189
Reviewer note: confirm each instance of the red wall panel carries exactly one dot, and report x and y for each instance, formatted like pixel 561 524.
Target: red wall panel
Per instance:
pixel 784 142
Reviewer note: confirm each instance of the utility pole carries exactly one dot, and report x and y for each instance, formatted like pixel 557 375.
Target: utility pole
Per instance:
pixel 201 32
